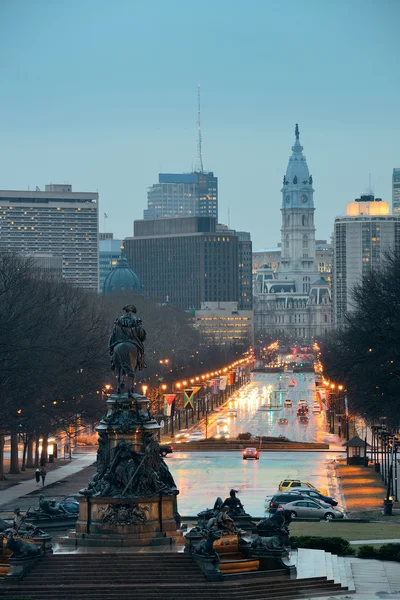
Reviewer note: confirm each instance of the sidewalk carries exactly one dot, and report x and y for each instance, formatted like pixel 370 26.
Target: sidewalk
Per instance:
pixel 26 487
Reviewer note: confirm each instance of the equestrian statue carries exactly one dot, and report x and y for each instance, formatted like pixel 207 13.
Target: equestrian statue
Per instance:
pixel 126 348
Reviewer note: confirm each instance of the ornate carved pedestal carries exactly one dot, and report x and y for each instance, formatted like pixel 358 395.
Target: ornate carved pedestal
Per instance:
pixel 132 499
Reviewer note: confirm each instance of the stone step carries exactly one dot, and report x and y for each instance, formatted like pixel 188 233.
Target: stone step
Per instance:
pixel 349 573
pixel 166 594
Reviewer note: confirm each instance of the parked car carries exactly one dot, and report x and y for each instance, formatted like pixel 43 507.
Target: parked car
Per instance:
pixel 293 484
pixel 283 498
pixel 250 453
pixel 315 495
pixel 182 436
pixel 288 403
pixel 196 436
pixel 166 449
pixel 283 421
pixel 308 509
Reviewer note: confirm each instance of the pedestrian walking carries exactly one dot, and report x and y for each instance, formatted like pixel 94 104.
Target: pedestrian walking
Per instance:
pixel 37 476
pixel 43 474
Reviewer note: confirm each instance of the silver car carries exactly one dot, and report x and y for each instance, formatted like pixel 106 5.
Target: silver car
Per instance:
pixel 308 509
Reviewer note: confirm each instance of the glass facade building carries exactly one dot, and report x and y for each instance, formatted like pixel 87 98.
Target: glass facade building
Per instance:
pixel 183 195
pixel 396 191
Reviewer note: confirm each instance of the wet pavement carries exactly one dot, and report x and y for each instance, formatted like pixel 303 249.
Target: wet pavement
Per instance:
pixel 203 476
pixel 257 416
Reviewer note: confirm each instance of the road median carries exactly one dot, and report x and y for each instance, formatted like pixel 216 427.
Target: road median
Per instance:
pixel 227 445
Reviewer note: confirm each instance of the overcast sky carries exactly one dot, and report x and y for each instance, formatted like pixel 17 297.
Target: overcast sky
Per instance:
pixel 102 95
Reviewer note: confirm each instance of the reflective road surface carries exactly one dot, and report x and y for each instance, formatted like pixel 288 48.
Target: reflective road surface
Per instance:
pixel 202 476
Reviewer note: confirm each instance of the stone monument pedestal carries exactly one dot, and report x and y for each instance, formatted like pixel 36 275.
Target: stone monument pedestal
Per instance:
pixel 132 499
pixel 125 522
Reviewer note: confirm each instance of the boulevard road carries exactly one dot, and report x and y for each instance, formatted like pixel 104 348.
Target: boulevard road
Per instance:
pixel 251 417
pixel 202 476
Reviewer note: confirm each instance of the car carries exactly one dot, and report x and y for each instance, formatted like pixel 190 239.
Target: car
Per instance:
pixel 165 449
pixel 316 407
pixel 293 484
pixel 250 453
pixel 315 495
pixel 309 509
pixel 302 403
pixel 283 421
pixel 288 403
pixel 223 434
pixel 222 420
pixel 304 419
pixel 291 384
pixel 232 413
pixel 302 410
pixel 197 435
pixel 182 436
pixel 282 498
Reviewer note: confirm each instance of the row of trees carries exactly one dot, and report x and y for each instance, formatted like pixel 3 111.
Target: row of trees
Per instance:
pixel 364 355
pixel 54 360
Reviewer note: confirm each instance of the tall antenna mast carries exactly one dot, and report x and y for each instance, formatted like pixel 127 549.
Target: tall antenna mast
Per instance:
pixel 199 164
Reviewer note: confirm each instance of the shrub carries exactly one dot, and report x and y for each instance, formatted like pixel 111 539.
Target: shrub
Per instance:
pixel 367 551
pixel 389 552
pixel 336 545
pixel 244 436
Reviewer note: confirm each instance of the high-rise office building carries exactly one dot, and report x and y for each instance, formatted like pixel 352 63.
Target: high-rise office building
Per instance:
pixel 58 222
pixel 396 192
pixel 184 261
pixel 183 195
pixel 361 240
pixel 245 266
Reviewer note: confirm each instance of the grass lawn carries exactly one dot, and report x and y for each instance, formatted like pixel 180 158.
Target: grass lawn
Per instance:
pixel 348 531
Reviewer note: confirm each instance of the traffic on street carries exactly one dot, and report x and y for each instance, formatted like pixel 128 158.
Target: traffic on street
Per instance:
pixel 259 408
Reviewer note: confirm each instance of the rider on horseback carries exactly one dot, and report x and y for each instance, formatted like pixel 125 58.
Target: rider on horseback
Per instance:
pixel 128 328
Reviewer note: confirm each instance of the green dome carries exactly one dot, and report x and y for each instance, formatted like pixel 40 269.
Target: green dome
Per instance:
pixel 121 278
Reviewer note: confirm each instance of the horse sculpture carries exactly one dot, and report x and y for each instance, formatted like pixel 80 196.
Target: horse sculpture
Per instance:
pixel 126 348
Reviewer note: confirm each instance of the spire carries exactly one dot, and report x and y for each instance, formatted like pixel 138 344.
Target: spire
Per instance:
pixel 199 164
pixel 297 173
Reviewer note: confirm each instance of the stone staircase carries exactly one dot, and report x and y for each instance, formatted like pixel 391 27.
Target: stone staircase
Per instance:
pixel 317 563
pixel 164 576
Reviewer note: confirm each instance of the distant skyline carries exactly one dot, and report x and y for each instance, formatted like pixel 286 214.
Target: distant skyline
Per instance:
pixel 104 96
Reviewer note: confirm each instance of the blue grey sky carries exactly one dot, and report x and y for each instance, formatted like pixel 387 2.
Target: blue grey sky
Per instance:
pixel 102 95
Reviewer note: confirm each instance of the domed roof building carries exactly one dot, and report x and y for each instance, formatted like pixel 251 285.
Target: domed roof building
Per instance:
pixel 121 278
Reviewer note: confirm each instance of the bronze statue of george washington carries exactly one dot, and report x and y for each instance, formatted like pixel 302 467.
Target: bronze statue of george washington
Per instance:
pixel 126 347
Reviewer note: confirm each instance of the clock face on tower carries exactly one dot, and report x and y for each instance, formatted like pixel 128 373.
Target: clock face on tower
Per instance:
pixel 303 199
pixel 287 198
